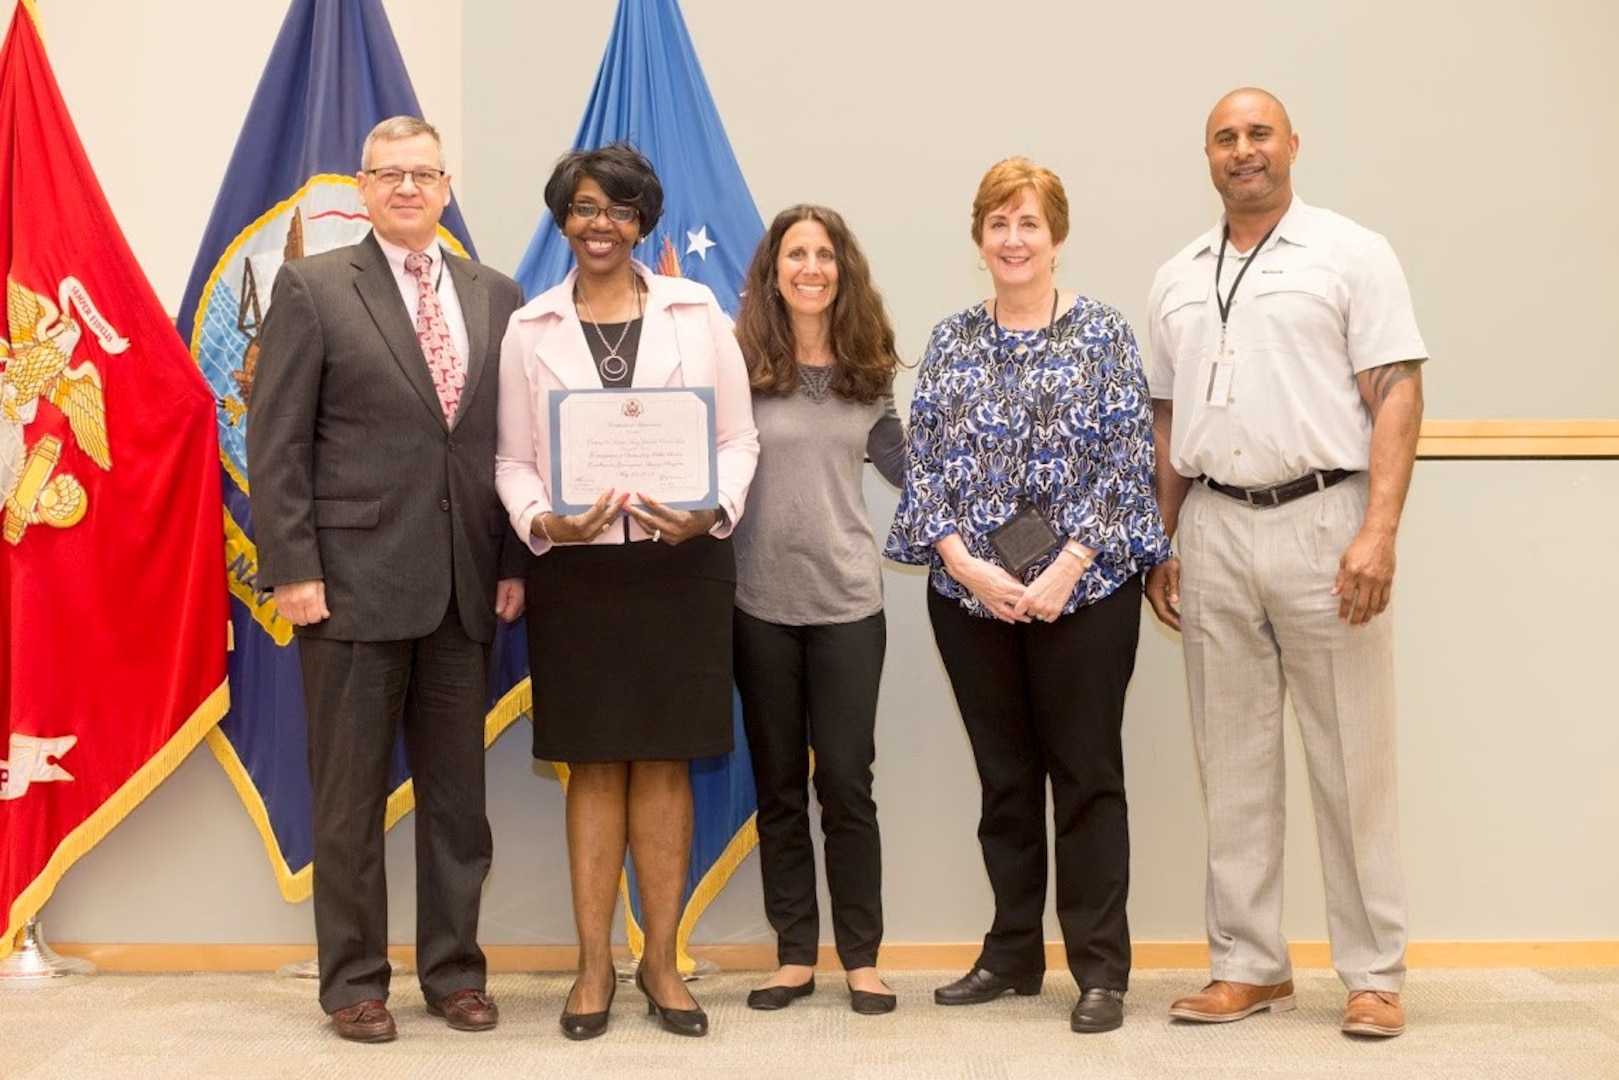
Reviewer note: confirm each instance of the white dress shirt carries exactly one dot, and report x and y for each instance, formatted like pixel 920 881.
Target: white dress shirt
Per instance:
pixel 1324 299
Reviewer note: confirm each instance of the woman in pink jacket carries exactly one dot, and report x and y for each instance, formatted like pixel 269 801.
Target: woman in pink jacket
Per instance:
pixel 629 626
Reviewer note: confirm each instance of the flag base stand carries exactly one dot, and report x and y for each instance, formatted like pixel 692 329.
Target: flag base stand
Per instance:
pixel 310 969
pixel 35 962
pixel 624 968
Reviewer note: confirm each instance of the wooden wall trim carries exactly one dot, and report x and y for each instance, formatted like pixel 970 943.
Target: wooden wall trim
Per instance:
pixel 1519 439
pixel 897 957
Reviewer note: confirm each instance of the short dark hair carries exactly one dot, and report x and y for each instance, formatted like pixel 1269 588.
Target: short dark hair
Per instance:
pixel 623 172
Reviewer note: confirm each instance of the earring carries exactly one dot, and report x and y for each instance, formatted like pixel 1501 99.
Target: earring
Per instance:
pixel 982 265
pixel 1055 264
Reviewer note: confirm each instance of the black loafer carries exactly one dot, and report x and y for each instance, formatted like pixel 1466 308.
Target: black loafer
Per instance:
pixel 771 998
pixel 870 1003
pixel 1099 1009
pixel 979 986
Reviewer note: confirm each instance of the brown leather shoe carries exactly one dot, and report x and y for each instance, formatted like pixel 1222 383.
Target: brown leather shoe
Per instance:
pixel 467 1010
pixel 1374 1012
pixel 367 1022
pixel 1221 1002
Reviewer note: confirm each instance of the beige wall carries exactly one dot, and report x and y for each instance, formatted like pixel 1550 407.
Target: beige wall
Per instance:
pixel 1479 136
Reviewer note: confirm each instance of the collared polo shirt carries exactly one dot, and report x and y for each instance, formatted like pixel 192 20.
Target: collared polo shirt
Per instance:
pixel 1324 300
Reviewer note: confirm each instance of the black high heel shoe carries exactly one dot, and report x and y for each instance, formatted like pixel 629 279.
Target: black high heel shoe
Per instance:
pixel 693 1022
pixel 581 1026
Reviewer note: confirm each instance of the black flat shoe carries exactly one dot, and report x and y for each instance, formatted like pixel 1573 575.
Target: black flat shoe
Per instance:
pixel 871 1003
pixel 979 986
pixel 693 1022
pixel 1099 1009
pixel 581 1026
pixel 771 998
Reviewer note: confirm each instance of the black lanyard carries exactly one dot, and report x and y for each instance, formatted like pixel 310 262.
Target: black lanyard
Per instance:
pixel 1007 382
pixel 1224 302
pixel 1006 379
pixel 1051 323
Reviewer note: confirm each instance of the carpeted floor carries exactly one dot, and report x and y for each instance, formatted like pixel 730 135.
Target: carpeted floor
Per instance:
pixel 1511 1024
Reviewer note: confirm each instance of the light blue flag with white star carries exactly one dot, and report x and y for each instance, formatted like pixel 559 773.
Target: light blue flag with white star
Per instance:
pixel 651 92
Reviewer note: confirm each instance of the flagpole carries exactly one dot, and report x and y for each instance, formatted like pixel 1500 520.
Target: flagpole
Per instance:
pixel 36 962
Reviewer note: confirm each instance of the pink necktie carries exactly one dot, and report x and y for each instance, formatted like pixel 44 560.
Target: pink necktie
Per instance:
pixel 434 334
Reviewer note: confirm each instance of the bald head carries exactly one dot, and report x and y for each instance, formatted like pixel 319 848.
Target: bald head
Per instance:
pixel 1250 144
pixel 1249 99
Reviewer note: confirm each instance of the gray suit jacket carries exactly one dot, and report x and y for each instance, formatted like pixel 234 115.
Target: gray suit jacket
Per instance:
pixel 355 478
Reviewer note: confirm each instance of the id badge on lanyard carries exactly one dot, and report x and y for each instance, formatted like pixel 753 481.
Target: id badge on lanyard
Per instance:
pixel 1222 372
pixel 1223 369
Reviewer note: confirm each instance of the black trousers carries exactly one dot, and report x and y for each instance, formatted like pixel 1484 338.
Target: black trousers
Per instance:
pixel 356 694
pixel 815 686
pixel 1046 700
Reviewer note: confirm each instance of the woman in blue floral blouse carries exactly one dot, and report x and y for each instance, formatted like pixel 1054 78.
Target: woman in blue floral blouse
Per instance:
pixel 1029 497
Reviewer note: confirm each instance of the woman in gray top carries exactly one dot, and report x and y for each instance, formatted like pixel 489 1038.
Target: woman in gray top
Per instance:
pixel 809 631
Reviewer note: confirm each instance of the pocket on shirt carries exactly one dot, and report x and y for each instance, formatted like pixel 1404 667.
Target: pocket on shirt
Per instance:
pixel 1307 286
pixel 1302 308
pixel 1182 295
pixel 1182 312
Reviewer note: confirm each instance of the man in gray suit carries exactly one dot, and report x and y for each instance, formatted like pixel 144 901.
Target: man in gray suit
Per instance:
pixel 371 442
pixel 1286 379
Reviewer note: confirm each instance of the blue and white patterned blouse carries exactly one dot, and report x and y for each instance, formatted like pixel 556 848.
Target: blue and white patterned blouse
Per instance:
pixel 1002 415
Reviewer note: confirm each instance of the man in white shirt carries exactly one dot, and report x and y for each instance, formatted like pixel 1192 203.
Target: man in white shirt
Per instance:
pixel 1287 393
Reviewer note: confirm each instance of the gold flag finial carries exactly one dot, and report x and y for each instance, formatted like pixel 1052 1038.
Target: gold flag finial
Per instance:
pixel 33 13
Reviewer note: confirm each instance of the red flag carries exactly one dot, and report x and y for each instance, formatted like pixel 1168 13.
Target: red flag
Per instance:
pixel 112 568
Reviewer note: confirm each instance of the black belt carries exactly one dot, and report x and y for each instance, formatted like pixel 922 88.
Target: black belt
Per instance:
pixel 1286 491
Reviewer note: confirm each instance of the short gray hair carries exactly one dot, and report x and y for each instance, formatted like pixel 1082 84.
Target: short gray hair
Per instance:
pixel 400 127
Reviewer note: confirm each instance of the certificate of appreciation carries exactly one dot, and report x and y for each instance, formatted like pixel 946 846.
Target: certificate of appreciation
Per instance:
pixel 657 442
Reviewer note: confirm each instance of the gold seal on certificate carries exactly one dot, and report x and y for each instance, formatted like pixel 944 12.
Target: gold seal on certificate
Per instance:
pixel 656 441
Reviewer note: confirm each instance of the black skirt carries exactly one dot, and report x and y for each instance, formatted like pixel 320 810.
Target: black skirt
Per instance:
pixel 629 646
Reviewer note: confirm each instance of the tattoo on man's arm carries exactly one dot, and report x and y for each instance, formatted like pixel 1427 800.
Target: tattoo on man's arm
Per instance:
pixel 1387 377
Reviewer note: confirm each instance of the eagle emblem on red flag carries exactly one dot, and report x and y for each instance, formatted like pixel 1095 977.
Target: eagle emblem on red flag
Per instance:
pixel 38 365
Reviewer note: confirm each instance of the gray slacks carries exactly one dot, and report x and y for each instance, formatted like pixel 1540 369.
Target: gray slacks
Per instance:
pixel 1259 622
pixel 357 695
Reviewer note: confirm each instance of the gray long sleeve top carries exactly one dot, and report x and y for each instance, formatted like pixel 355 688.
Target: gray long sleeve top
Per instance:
pixel 805 551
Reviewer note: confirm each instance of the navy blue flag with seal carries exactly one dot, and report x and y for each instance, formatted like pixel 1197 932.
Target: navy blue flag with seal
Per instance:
pixel 334 73
pixel 650 91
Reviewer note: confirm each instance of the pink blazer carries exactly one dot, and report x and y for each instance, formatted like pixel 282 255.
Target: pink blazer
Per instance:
pixel 686 340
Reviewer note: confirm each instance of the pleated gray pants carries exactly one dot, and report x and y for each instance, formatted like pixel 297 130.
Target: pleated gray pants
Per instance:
pixel 1259 622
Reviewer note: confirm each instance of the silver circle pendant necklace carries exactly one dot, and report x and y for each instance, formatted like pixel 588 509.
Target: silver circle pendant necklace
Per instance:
pixel 612 367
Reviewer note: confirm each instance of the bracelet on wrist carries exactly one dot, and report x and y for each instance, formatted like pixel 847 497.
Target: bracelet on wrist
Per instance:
pixel 1084 559
pixel 539 520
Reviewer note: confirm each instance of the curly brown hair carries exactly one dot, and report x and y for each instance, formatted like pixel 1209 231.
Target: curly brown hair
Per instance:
pixel 862 338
